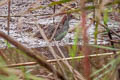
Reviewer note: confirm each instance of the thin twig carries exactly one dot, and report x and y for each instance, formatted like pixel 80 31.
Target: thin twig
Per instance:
pixel 50 47
pixel 8 23
pixel 56 28
pixel 72 70
pixel 107 28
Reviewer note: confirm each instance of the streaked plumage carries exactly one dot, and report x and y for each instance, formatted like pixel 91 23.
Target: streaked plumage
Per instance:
pixel 61 31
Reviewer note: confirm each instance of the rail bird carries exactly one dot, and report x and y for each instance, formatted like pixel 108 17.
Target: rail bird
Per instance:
pixel 61 30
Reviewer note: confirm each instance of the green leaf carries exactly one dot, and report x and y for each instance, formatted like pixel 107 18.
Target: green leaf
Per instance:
pixel 74 47
pixel 2 62
pixel 64 1
pixel 104 67
pixel 11 77
pixel 104 47
pixel 58 2
pixel 96 32
pixel 8 44
pixel 106 18
pixel 29 76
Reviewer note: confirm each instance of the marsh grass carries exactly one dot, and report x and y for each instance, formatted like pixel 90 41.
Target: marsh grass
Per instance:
pixel 86 68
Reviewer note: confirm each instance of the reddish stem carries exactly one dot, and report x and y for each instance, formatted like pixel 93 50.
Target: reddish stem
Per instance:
pixel 85 48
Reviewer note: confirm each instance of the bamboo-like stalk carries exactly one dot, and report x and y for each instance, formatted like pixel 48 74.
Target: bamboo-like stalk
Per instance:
pixel 62 59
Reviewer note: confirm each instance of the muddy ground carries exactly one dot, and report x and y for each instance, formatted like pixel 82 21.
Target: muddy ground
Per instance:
pixel 23 25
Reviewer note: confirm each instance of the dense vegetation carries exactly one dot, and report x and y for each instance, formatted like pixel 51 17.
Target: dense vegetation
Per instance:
pixel 85 59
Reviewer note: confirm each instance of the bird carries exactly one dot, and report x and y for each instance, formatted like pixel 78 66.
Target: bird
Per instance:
pixel 47 30
pixel 60 34
pixel 61 30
